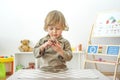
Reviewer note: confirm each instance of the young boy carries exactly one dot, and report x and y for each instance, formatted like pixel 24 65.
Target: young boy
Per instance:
pixel 53 50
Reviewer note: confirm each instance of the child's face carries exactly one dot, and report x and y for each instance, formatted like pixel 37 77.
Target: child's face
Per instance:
pixel 54 31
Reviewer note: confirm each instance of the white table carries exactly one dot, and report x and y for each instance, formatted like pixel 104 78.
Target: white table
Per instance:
pixel 71 74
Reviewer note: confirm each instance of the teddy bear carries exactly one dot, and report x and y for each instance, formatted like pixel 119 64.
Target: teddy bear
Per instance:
pixel 25 46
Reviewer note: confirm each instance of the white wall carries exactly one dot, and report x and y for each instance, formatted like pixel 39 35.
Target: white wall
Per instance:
pixel 24 19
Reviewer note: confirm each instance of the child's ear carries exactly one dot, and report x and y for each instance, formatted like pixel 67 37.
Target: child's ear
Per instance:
pixel 66 28
pixel 46 30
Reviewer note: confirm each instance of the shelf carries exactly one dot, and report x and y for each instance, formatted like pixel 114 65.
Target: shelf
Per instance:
pixel 98 54
pixel 77 52
pixel 23 58
pixel 101 62
pixel 24 53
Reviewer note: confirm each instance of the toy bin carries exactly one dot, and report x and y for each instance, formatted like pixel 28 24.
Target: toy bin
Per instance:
pixel 2 70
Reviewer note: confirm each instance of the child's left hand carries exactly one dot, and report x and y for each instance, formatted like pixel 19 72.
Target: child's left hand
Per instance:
pixel 57 47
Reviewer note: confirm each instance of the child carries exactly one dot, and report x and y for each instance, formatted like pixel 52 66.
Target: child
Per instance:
pixel 53 50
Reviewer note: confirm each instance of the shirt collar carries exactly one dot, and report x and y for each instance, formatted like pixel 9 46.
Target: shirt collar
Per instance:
pixel 59 38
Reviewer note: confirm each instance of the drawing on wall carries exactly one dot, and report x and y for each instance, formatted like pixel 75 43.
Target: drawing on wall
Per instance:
pixel 107 25
pixel 92 49
pixel 113 50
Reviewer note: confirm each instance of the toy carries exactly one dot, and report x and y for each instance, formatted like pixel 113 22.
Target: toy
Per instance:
pixel 2 71
pixel 20 66
pixel 31 65
pixel 80 47
pixel 25 46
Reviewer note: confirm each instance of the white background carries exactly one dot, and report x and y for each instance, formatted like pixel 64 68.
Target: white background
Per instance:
pixel 24 19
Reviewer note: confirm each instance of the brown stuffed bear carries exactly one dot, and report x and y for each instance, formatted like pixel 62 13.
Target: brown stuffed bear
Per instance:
pixel 25 46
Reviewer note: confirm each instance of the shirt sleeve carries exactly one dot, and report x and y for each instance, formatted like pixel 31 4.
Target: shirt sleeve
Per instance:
pixel 37 52
pixel 67 56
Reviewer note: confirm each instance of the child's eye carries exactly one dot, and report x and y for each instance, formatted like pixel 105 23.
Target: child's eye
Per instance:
pixel 57 28
pixel 51 28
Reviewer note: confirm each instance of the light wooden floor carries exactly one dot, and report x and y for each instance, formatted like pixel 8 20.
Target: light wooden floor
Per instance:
pixel 111 78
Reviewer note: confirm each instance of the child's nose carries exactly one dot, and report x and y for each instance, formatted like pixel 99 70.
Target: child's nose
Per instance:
pixel 54 30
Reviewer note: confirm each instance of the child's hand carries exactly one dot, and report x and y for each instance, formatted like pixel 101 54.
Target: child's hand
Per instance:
pixel 53 42
pixel 57 47
pixel 48 43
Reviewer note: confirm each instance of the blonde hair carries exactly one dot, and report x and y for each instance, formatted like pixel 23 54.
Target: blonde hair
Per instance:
pixel 53 18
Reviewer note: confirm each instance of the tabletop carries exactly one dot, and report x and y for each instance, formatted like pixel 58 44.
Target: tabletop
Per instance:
pixel 71 74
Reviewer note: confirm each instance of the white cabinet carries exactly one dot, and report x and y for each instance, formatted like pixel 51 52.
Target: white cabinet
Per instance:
pixel 77 60
pixel 23 58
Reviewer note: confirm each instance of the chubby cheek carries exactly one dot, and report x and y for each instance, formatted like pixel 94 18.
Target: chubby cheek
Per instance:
pixel 50 33
pixel 59 33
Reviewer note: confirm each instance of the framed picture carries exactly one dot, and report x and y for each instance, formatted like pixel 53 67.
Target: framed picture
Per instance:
pixel 107 24
pixel 113 50
pixel 92 49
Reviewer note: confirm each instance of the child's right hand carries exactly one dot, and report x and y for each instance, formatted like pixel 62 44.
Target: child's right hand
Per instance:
pixel 45 45
pixel 48 43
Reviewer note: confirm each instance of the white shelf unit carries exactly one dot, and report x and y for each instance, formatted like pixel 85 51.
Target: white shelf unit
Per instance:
pixel 77 60
pixel 23 58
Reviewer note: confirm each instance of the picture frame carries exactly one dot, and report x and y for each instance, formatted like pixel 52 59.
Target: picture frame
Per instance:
pixel 107 24
pixel 113 50
pixel 92 49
